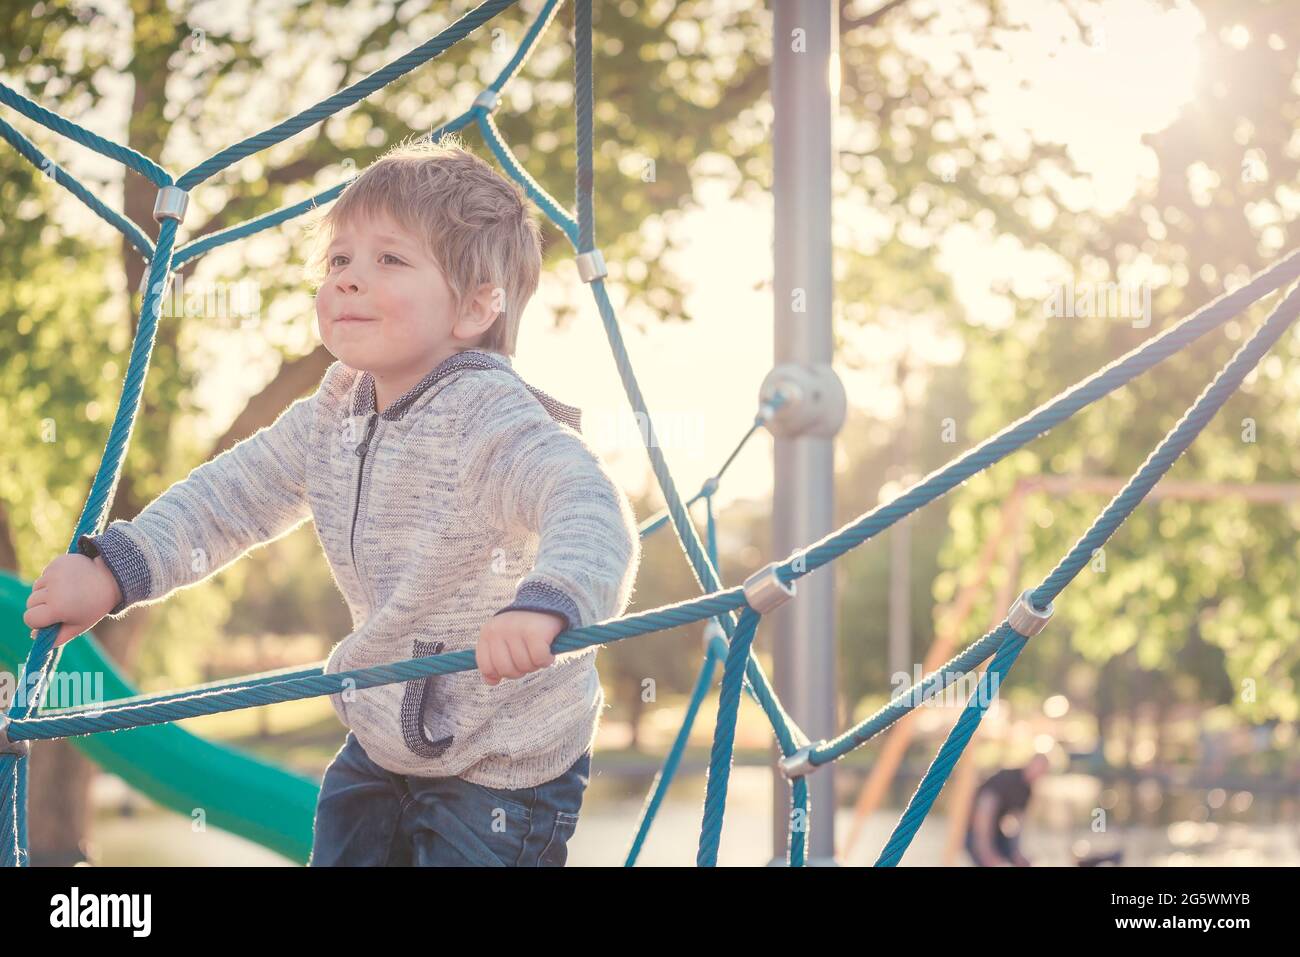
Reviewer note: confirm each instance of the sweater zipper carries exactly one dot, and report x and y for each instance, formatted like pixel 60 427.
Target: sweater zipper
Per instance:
pixel 361 451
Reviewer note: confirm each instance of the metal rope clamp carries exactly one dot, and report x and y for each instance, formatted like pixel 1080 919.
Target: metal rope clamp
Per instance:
pixel 1026 619
pixel 171 203
pixel 764 590
pixel 799 764
pixel 488 100
pixel 22 748
pixel 591 266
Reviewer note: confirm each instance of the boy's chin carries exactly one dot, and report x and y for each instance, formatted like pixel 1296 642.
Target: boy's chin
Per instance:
pixel 354 360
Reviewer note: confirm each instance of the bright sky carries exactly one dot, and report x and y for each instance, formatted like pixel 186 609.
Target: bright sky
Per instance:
pixel 701 379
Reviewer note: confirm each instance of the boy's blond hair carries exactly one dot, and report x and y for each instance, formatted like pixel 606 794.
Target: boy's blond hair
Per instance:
pixel 478 226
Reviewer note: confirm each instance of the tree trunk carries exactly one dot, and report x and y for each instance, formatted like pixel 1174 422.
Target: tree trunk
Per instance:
pixel 58 792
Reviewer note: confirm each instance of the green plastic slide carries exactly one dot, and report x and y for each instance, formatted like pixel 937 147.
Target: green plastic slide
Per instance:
pixel 236 792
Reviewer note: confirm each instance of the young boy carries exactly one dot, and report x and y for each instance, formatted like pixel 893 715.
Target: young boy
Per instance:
pixel 458 507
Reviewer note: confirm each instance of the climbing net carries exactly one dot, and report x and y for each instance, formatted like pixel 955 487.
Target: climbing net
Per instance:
pixel 731 614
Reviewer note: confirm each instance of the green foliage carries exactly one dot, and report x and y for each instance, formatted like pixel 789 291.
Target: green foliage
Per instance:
pixel 1190 588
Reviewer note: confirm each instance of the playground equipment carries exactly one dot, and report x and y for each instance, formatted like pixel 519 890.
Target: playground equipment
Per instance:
pixel 762 593
pixel 953 618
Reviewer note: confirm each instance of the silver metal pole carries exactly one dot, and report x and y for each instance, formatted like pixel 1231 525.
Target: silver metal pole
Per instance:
pixel 900 550
pixel 802 633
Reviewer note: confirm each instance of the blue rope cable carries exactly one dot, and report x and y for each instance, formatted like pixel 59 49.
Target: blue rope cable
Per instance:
pixel 919 806
pixel 663 780
pixel 110 717
pixel 29 152
pixel 43 657
pixel 800 822
pixel 705 573
pixel 711 531
pixel 225 684
pixel 198 247
pixel 652 525
pixel 23 842
pixel 346 97
pixel 584 105
pixel 536 192
pixel 13 798
pixel 724 739
pixel 123 154
pixel 905 701
pixel 715 651
pixel 526 46
pixel 1045 417
pixel 204 244
pixel 161 177
pixel 1175 443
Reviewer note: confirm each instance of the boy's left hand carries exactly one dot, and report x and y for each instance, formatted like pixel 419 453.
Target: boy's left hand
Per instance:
pixel 515 643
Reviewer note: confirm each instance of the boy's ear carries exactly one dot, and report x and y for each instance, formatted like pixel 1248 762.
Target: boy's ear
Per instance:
pixel 481 309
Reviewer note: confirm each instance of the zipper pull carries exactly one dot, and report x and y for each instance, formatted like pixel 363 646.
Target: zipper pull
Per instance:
pixel 372 421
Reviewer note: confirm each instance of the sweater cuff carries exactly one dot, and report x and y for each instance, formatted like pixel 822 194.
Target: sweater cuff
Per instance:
pixel 124 560
pixel 539 596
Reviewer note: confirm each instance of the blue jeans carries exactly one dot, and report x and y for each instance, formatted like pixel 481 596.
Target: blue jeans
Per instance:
pixel 368 816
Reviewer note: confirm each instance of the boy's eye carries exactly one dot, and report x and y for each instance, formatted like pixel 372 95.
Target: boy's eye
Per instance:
pixel 339 259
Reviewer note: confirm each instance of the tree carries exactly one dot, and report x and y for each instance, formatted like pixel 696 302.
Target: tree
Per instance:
pixel 1187 591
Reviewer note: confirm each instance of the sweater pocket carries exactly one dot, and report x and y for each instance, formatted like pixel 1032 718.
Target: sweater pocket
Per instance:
pixel 423 718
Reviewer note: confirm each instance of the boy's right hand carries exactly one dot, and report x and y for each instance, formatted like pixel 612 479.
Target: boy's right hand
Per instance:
pixel 74 589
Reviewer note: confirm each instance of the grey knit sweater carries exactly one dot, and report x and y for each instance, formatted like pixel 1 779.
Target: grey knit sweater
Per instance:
pixel 472 494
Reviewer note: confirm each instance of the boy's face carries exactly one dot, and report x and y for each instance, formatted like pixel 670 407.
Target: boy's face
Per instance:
pixel 384 306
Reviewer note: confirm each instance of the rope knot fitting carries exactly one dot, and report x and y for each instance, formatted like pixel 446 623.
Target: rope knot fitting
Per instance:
pixel 764 590
pixel 22 748
pixel 171 203
pixel 709 487
pixel 488 101
pixel 799 764
pixel 591 266
pixel 1026 619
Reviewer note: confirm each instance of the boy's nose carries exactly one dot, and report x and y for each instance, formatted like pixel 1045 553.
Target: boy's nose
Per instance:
pixel 349 279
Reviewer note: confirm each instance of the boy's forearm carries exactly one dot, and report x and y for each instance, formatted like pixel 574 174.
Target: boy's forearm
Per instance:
pixel 251 493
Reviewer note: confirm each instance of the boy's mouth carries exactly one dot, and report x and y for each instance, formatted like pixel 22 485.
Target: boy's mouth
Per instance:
pixel 349 317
